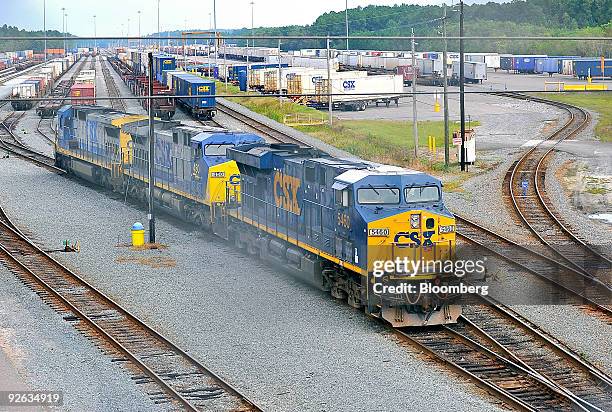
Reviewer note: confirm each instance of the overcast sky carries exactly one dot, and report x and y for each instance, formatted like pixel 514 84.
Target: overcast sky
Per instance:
pixel 112 14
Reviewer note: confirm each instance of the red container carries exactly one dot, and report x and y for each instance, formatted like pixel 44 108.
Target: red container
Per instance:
pixel 81 91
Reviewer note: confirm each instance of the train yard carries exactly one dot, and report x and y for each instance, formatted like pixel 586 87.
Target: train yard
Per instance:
pixel 518 362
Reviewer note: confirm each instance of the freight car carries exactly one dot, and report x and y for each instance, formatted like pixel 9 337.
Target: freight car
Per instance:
pixel 203 105
pixel 331 221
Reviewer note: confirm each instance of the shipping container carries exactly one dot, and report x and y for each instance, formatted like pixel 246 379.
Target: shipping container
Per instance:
pixel 547 65
pixel 187 84
pixel 407 73
pixel 506 63
pixel 584 68
pixel 525 64
pixel 473 72
pixel 356 93
pixel 83 91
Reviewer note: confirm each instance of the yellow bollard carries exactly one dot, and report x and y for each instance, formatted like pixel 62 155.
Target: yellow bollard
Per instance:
pixel 437 107
pixel 138 234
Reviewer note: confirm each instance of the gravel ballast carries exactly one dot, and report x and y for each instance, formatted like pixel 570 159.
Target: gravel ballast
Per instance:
pixel 47 353
pixel 285 344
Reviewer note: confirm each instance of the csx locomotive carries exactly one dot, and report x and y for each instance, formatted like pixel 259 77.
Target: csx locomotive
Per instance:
pixel 329 220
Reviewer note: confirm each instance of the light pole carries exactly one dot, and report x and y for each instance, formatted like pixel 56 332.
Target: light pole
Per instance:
pixel 64 28
pixel 461 86
pixel 347 26
pixel 252 3
pixel 127 34
pixel 445 97
pixel 45 26
pixel 95 34
pixel 215 29
pixel 415 130
pixel 139 39
pixel 158 29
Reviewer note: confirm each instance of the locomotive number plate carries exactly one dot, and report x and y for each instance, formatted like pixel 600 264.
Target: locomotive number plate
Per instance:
pixel 217 174
pixel 378 232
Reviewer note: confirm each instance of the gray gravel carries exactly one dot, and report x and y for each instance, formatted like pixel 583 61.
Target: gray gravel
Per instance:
pixel 47 353
pixel 286 345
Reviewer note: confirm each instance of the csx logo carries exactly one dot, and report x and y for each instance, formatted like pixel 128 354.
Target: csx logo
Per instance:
pixel 285 192
pixel 348 84
pixel 167 61
pixel 412 239
pixel 234 180
pixel 316 79
pixel 203 88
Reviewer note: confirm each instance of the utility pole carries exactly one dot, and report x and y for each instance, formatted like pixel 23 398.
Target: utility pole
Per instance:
pixel 445 97
pixel 45 26
pixel 330 104
pixel 95 35
pixel 252 3
pixel 151 216
pixel 346 23
pixel 415 131
pixel 185 49
pixel 215 31
pixel 64 28
pixel 139 39
pixel 461 86
pixel 280 81
pixel 127 35
pixel 158 28
pixel 248 69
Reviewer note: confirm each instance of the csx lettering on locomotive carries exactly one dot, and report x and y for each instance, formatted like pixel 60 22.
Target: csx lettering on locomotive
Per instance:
pixel 285 192
pixel 412 239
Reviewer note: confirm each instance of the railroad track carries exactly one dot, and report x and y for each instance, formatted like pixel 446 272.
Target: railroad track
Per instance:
pixel 10 144
pixel 524 186
pixel 113 90
pixel 588 291
pixel 43 134
pixel 505 355
pixel 266 131
pixel 152 358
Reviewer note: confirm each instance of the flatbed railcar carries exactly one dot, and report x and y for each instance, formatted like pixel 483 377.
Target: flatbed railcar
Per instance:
pixel 328 220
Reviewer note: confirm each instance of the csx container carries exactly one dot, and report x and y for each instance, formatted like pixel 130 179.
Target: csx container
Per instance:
pixel 187 84
pixel 362 88
pixel 161 63
pixel 82 91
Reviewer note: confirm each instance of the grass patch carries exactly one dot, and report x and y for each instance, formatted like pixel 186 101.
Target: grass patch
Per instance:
pixel 597 190
pixel 384 141
pixel 600 102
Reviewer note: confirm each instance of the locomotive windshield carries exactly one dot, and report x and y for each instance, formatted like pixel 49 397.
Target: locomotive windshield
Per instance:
pixel 216 149
pixel 422 194
pixel 378 196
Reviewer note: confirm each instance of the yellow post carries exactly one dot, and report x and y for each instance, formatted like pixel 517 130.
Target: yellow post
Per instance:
pixel 138 234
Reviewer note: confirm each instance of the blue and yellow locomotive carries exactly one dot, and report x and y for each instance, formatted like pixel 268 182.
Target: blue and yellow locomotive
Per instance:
pixel 335 222
pixel 338 222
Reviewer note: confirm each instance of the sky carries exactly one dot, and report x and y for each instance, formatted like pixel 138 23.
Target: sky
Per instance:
pixel 112 15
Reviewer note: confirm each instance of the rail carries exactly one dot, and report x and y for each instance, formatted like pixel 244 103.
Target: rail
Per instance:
pixel 184 380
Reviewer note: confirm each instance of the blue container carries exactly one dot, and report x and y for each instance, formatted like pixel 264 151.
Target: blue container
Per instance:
pixel 585 67
pixel 187 84
pixel 161 63
pixel 242 80
pixel 505 63
pixel 547 65
pixel 525 64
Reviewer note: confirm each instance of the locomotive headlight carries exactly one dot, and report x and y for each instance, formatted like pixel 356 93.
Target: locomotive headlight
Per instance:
pixel 415 221
pixel 446 229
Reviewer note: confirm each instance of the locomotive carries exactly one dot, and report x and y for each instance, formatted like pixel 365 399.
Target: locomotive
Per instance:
pixel 331 221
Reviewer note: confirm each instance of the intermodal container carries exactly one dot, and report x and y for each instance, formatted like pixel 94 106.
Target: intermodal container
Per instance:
pixel 584 68
pixel 547 65
pixel 82 91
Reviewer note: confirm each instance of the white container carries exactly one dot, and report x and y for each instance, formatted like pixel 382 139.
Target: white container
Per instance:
pixel 472 71
pixel 366 88
pixel 24 90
